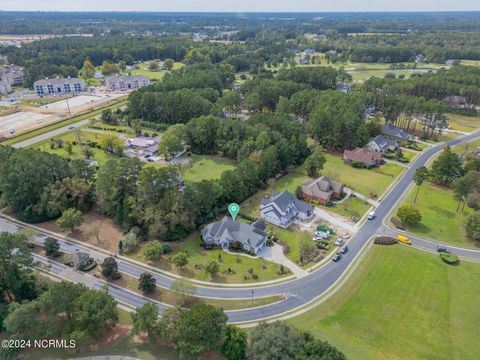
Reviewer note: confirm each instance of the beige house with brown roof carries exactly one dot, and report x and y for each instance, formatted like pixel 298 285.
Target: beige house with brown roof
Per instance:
pixel 322 190
pixel 363 156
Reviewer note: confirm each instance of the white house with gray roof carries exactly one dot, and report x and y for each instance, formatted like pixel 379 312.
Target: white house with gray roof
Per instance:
pixel 382 144
pixel 228 233
pixel 284 208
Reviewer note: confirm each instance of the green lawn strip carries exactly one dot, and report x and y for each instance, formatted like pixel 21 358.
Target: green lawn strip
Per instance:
pixel 466 146
pixel 60 124
pixel 199 258
pixel 98 154
pixel 351 207
pixel 171 298
pixel 402 303
pixel 463 123
pixel 205 167
pixel 409 154
pixel 371 183
pixel 440 220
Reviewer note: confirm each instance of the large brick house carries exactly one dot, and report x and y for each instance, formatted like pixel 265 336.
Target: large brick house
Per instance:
pixel 322 190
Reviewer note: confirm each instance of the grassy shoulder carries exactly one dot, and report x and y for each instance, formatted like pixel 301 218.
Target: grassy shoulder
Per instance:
pixel 402 303
pixel 199 258
pixel 440 219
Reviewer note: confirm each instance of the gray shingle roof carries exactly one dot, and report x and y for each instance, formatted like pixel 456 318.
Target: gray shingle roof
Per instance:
pixel 284 199
pixel 227 230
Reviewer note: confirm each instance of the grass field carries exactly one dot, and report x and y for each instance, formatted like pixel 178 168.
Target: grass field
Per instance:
pixel 352 207
pixel 466 146
pixel 198 258
pixel 402 303
pixel 464 123
pixel 153 75
pixel 371 183
pixel 440 220
pixel 98 154
pixel 206 167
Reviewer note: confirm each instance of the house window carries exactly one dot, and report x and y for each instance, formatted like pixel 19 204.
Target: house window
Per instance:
pixel 77 87
pixel 50 89
pixel 66 88
pixel 39 89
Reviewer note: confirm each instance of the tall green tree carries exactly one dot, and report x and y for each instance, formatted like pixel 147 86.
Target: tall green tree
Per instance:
pixel 421 175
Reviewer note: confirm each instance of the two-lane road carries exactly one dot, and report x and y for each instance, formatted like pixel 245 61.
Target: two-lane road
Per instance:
pixel 299 291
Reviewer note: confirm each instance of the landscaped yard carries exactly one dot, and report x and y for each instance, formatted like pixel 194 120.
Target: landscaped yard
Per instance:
pixel 440 220
pixel 98 154
pixel 199 258
pixel 206 167
pixel 409 154
pixel 464 123
pixel 402 303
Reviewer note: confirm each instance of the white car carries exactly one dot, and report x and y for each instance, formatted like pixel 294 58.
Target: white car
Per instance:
pixel 371 215
pixel 338 242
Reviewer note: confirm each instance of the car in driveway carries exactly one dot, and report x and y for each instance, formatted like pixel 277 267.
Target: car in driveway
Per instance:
pixel 344 249
pixel 441 249
pixel 339 242
pixel 336 257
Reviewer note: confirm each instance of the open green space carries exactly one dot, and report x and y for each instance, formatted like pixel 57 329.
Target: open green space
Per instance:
pixel 466 146
pixel 463 123
pixel 402 303
pixel 28 135
pixel 440 219
pixel 199 258
pixel 205 167
pixel 153 75
pixel 353 208
pixel 86 136
pixel 371 183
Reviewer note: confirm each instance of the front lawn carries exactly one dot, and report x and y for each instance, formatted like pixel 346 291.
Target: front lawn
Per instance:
pixel 440 220
pixel 199 258
pixel 463 123
pixel 206 167
pixel 402 303
pixel 371 183
pixel 353 207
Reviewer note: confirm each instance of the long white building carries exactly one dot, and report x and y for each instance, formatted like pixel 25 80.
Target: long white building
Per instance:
pixel 59 86
pixel 130 82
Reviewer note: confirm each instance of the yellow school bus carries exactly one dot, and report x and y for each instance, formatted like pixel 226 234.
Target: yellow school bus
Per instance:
pixel 403 239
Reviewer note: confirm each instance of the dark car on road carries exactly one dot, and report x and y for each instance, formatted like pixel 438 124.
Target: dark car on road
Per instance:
pixel 441 249
pixel 336 257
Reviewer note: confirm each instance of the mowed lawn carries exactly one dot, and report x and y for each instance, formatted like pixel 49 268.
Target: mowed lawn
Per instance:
pixel 351 207
pixel 440 219
pixel 464 123
pixel 371 183
pixel 199 258
pixel 98 154
pixel 206 167
pixel 402 303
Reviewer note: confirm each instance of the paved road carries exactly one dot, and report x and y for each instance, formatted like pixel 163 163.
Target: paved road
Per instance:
pixel 48 135
pixel 298 291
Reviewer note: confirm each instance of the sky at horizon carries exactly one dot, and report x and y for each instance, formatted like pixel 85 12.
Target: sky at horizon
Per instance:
pixel 240 5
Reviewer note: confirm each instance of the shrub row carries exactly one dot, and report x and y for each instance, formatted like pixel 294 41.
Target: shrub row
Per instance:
pixel 385 240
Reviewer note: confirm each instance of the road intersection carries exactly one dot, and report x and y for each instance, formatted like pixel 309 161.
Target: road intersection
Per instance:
pixel 298 292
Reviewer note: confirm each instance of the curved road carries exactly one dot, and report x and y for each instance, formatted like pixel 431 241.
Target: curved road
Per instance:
pixel 299 291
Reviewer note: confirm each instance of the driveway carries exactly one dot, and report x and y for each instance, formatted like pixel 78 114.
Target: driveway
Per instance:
pixel 275 254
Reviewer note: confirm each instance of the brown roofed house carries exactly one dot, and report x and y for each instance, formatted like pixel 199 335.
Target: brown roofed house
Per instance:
pixel 363 156
pixel 322 190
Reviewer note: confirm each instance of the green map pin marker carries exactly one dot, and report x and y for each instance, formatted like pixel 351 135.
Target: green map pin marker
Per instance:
pixel 233 209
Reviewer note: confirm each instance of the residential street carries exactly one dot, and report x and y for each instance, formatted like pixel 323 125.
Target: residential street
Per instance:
pixel 299 291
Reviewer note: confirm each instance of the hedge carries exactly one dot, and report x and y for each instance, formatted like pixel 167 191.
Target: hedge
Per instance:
pixel 385 240
pixel 449 258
